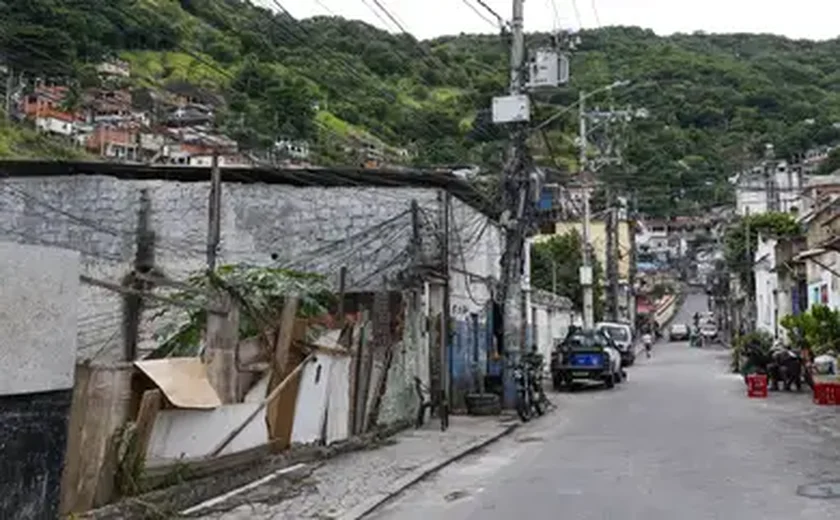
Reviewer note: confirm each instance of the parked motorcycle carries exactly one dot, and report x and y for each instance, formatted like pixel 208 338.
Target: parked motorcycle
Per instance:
pixel 530 396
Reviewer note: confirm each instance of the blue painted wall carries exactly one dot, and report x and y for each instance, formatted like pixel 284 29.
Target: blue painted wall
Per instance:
pixel 465 369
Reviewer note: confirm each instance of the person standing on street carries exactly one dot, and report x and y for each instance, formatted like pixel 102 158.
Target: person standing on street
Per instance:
pixel 647 341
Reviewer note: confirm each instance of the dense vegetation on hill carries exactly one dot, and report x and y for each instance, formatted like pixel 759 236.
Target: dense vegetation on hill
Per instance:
pixel 714 100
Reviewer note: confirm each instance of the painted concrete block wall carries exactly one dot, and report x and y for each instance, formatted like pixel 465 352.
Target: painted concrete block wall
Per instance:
pixel 551 324
pixel 40 288
pixel 312 228
pixel 37 360
pixel 476 248
pixel 411 358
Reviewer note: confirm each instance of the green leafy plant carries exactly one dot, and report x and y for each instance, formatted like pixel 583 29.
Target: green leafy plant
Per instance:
pixel 562 255
pixel 760 339
pixel 768 225
pixel 260 291
pixel 817 329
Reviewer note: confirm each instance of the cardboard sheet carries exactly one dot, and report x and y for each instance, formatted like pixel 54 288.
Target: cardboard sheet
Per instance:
pixel 183 381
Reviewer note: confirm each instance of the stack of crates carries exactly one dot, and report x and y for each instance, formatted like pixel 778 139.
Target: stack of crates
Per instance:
pixel 757 386
pixel 827 393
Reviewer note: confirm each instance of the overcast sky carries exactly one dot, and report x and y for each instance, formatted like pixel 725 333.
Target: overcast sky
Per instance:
pixel 813 19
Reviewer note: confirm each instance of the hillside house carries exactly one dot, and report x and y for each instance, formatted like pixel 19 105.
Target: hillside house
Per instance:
pixel 822 260
pixel 56 122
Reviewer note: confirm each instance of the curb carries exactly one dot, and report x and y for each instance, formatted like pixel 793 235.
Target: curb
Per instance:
pixel 405 482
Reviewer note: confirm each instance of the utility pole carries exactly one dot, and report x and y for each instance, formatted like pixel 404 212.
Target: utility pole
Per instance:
pixel 748 264
pixel 612 260
pixel 586 267
pixel 515 191
pixel 214 213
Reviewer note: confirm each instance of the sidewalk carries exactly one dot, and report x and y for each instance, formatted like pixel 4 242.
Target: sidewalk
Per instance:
pixel 351 485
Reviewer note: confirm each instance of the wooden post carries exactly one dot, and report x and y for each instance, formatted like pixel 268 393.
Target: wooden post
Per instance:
pixel 150 405
pixel 285 335
pixel 364 369
pixel 214 212
pixel 222 337
pixel 144 262
pixel 342 288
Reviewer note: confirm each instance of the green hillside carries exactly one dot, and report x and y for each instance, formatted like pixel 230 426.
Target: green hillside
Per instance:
pixel 713 100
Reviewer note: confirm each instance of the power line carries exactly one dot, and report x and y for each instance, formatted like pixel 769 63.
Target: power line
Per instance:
pixel 577 14
pixel 390 16
pixel 490 10
pixel 595 12
pixel 479 13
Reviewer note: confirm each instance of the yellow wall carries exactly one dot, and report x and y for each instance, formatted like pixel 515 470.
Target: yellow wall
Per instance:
pixel 598 239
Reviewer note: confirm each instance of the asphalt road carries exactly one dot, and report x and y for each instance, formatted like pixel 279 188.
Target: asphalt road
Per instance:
pixel 678 441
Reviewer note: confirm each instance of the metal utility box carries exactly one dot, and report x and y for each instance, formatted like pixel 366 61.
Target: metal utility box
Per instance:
pixel 547 69
pixel 511 109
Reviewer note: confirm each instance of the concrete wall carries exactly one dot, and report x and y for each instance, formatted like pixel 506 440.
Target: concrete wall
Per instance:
pixel 549 321
pixel 38 339
pixel 318 229
pixel 476 246
pixel 766 285
pixel 411 358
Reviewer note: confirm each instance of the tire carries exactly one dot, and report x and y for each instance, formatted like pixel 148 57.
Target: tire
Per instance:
pixel 556 383
pixel 523 408
pixel 539 406
pixel 609 381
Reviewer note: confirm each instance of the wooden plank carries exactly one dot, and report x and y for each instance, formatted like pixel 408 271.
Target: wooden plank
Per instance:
pixel 365 371
pixel 222 338
pixel 150 405
pixel 274 393
pixel 355 367
pixel 128 290
pixel 70 477
pixel 285 334
pixel 280 413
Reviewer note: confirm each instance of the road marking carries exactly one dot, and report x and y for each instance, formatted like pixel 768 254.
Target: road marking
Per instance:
pixel 247 487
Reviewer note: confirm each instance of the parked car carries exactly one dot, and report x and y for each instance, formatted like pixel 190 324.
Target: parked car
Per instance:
pixel 709 332
pixel 586 355
pixel 679 332
pixel 622 336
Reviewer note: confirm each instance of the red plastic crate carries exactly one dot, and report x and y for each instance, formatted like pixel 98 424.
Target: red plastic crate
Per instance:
pixel 757 385
pixel 827 393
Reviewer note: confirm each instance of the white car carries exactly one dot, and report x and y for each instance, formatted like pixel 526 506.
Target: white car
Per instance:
pixel 622 336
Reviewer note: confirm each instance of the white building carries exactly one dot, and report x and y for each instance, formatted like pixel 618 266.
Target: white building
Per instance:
pixel 549 320
pixel 775 186
pixel 56 123
pixel 293 149
pixel 766 286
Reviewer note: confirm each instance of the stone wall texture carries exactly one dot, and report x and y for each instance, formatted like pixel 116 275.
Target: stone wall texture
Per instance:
pixel 317 229
pixel 367 229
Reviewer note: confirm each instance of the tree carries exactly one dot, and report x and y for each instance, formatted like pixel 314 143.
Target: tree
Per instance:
pixel 817 329
pixel 768 225
pixel 831 164
pixel 564 253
